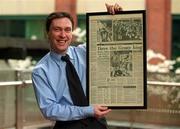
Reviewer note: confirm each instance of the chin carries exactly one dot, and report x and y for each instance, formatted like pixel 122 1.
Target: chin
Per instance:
pixel 62 50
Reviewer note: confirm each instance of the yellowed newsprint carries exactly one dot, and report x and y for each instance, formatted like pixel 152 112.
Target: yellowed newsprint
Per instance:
pixel 116 60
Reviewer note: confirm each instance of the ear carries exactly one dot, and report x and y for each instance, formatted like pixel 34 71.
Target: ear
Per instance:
pixel 47 35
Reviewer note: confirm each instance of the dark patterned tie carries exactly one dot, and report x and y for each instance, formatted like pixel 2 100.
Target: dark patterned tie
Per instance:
pixel 75 88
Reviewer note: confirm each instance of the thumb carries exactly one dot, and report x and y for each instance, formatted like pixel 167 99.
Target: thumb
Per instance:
pixel 102 108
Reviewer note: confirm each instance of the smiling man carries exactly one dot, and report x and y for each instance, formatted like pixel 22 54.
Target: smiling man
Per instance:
pixel 51 80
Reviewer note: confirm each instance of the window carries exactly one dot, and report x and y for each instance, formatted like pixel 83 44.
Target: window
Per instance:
pixel 12 28
pixel 175 36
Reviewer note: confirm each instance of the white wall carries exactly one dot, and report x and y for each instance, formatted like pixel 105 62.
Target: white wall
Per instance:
pixel 175 6
pixel 84 6
pixel 13 7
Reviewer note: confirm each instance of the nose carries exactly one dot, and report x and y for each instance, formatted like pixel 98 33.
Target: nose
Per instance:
pixel 62 33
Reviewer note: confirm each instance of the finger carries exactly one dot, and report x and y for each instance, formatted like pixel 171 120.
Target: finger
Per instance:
pixel 112 9
pixel 106 111
pixel 107 7
pixel 103 113
pixel 102 108
pixel 117 8
pixel 120 9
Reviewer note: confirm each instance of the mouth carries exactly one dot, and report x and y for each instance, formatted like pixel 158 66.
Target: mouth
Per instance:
pixel 61 42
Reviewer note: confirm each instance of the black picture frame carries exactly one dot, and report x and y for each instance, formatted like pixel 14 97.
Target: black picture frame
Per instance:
pixel 127 30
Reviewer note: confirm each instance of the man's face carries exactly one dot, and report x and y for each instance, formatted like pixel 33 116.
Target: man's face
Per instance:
pixel 60 35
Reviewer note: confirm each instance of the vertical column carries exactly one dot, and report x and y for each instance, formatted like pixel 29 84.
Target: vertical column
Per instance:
pixel 159 26
pixel 67 6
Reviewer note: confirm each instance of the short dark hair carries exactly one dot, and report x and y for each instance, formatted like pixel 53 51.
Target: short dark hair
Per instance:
pixel 55 15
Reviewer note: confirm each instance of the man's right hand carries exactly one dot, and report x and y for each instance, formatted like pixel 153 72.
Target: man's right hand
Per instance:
pixel 113 9
pixel 100 111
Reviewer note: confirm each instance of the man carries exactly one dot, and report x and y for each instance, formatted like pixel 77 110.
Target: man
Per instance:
pixel 50 78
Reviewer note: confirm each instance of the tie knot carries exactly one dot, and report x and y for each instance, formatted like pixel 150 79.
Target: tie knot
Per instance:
pixel 65 58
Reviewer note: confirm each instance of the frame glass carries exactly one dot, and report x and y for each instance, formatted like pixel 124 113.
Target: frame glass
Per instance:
pixel 116 59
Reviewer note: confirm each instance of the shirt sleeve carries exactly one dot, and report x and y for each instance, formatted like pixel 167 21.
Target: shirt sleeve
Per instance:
pixel 51 108
pixel 83 45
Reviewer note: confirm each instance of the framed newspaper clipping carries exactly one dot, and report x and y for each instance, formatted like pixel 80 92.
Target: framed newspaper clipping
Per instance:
pixel 116 59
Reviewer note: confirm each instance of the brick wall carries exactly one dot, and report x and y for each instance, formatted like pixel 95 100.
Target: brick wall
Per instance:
pixel 159 26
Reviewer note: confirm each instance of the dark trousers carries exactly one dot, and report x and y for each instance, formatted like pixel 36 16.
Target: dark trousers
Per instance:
pixel 88 123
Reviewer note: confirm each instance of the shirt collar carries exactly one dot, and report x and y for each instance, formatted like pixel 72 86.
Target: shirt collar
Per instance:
pixel 57 56
pixel 69 52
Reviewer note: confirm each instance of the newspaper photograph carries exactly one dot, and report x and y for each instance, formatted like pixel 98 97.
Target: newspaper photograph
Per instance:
pixel 116 59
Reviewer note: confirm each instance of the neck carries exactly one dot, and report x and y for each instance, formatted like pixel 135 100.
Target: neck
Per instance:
pixel 60 53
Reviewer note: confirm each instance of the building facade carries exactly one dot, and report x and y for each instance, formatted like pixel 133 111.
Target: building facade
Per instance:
pixel 25 19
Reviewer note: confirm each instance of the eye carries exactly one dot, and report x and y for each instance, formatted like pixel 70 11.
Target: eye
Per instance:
pixel 56 29
pixel 68 29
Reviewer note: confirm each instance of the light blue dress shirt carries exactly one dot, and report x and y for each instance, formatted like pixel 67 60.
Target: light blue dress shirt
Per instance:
pixel 51 87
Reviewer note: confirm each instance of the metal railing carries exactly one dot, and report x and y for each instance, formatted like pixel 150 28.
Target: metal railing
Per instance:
pixel 26 83
pixel 16 83
pixel 19 86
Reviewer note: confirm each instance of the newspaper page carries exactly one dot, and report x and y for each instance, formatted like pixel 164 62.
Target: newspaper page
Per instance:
pixel 116 68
